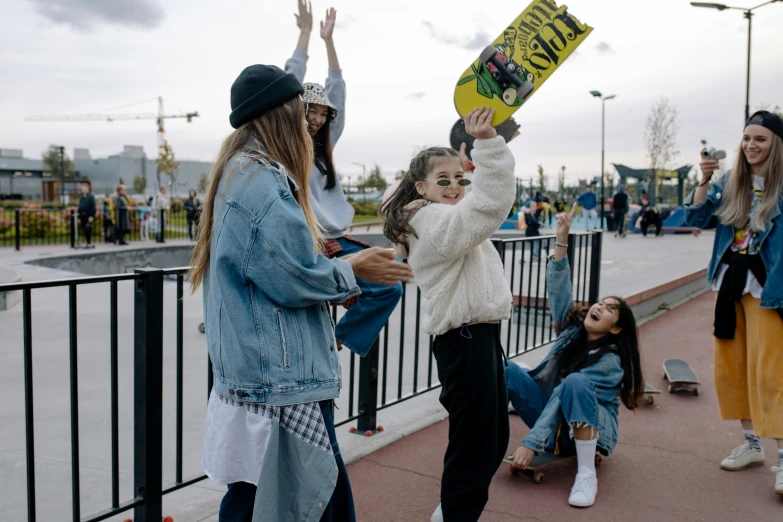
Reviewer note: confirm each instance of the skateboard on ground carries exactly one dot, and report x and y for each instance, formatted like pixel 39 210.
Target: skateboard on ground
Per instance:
pixel 518 62
pixel 537 467
pixel 509 129
pixel 649 391
pixel 680 376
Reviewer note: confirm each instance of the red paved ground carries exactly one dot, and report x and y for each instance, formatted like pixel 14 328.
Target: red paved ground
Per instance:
pixel 666 466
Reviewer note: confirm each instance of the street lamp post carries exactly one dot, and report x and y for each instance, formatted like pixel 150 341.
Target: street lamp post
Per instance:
pixel 597 94
pixel 748 13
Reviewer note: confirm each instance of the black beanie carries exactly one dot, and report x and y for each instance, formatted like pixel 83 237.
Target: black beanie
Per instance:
pixel 258 89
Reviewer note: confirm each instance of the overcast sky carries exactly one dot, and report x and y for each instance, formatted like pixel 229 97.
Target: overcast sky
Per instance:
pixel 401 61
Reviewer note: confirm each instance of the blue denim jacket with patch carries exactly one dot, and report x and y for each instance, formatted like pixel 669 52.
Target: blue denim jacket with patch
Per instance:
pixel 606 374
pixel 269 331
pixel 702 215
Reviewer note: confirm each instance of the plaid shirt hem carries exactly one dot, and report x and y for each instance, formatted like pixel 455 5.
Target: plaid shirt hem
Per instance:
pixel 302 420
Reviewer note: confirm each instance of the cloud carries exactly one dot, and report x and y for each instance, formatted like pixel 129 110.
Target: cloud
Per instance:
pixel 471 43
pixel 84 15
pixel 345 20
pixel 604 48
pixel 417 95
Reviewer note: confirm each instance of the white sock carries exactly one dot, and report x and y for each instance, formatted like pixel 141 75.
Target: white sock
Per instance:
pixel 585 456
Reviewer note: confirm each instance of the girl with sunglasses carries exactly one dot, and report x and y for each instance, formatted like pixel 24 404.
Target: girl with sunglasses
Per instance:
pixel 445 234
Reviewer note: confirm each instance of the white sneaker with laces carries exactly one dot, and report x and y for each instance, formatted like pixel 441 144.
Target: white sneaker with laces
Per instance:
pixel 437 516
pixel 743 457
pixel 778 480
pixel 584 491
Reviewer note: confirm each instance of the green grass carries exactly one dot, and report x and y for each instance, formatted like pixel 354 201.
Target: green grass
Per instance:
pixel 362 219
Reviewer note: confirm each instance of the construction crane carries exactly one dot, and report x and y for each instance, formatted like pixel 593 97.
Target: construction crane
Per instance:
pixel 159 118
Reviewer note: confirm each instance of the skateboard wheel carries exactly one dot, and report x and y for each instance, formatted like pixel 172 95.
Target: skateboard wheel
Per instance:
pixel 379 428
pixel 524 90
pixel 368 433
pixel 538 477
pixel 127 520
pixel 650 399
pixel 201 328
pixel 599 459
pixel 664 376
pixel 352 429
pixel 671 388
pixel 168 518
pixel 696 392
pixel 487 54
pixel 509 95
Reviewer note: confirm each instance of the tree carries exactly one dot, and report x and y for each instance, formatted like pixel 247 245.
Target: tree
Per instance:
pixel 660 139
pixel 541 179
pixel 139 184
pixel 776 109
pixel 51 161
pixel 167 164
pixel 202 183
pixel 374 181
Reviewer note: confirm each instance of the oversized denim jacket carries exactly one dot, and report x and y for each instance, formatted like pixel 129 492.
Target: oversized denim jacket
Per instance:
pixel 269 332
pixel 702 215
pixel 606 374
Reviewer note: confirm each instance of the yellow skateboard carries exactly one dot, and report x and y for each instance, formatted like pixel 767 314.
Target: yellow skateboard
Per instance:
pixel 510 70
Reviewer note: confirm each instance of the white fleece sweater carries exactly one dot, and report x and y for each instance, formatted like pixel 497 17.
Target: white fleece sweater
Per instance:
pixel 455 265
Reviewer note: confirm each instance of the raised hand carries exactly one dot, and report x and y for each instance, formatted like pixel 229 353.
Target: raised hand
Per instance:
pixel 563 227
pixel 304 20
pixel 327 26
pixel 478 123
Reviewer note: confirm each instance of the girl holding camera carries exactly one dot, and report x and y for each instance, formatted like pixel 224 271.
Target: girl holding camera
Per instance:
pixel 746 272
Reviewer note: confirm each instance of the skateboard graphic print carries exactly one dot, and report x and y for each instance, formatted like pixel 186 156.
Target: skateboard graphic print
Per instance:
pixel 520 60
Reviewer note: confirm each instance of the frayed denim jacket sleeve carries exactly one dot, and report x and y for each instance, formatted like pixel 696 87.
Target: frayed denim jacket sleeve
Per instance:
pixel 606 374
pixel 702 214
pixel 281 260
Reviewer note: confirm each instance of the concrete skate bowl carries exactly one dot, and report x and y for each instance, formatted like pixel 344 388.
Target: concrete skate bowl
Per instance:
pixel 118 261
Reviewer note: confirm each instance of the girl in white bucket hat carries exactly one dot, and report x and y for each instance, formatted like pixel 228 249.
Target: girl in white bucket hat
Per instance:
pixel 359 328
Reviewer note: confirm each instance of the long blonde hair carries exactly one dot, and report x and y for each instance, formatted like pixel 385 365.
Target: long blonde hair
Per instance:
pixel 736 196
pixel 283 135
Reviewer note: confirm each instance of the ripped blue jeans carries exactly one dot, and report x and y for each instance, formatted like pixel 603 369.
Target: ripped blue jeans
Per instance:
pixel 578 405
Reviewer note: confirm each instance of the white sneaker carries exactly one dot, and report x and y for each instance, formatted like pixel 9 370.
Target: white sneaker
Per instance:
pixel 778 480
pixel 437 516
pixel 743 457
pixel 584 491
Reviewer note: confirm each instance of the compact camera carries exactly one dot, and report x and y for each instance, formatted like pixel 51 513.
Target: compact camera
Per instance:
pixel 713 154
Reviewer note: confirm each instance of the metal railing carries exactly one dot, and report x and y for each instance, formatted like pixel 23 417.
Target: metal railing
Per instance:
pixel 46 226
pixel 530 327
pixel 398 368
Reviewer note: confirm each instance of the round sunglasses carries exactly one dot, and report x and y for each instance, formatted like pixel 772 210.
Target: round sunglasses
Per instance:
pixel 464 182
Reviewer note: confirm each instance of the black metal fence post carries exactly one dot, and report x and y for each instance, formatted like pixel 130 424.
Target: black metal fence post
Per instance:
pixel 74 228
pixel 162 226
pixel 368 389
pixel 595 267
pixel 570 254
pixel 148 394
pixel 17 228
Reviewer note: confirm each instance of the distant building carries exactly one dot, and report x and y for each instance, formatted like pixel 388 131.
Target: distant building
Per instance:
pixel 19 175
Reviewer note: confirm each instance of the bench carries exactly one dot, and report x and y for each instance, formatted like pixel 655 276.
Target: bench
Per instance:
pixel 684 230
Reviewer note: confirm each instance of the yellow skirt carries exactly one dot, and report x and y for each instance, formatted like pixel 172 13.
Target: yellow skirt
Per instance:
pixel 749 369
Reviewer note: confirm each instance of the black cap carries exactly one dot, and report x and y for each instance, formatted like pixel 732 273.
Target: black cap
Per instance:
pixel 768 120
pixel 260 88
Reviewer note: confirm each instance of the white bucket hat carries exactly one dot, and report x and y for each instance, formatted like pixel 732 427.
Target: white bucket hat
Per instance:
pixel 316 94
